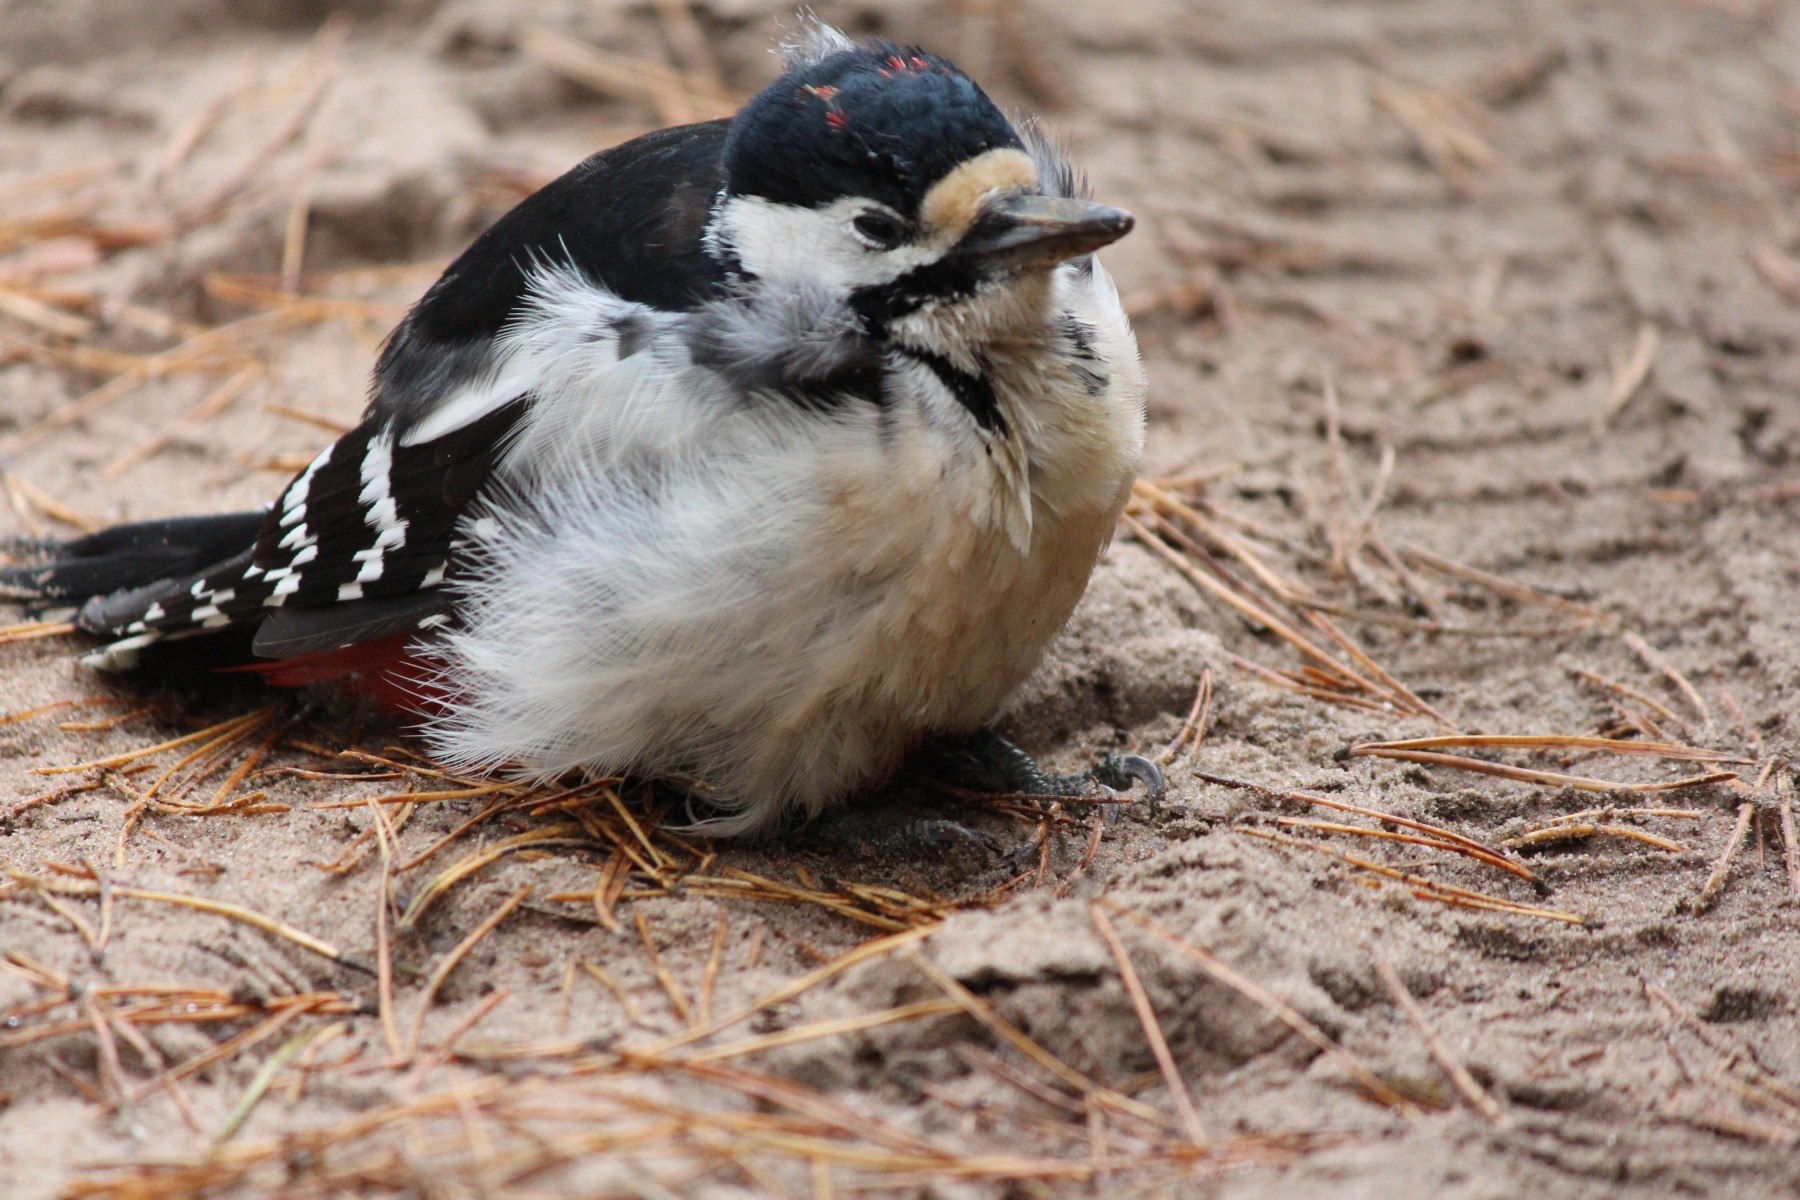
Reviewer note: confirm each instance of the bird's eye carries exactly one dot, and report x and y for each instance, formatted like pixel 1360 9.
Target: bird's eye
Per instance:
pixel 879 229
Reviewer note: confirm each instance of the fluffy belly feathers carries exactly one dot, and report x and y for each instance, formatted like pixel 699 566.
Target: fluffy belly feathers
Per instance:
pixel 784 617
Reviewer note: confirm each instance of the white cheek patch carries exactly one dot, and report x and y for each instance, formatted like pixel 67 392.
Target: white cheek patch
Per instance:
pixel 786 242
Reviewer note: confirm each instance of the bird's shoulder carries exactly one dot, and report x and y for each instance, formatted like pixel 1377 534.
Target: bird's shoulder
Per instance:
pixel 630 219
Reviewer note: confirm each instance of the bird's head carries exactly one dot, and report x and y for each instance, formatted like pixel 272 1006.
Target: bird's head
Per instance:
pixel 887 176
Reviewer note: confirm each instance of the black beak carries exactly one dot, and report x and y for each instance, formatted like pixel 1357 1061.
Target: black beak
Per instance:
pixel 1018 232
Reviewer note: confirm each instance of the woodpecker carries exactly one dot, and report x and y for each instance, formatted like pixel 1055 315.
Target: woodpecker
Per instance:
pixel 757 451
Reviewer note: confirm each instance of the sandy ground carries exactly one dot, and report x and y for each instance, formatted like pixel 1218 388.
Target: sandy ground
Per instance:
pixel 1544 257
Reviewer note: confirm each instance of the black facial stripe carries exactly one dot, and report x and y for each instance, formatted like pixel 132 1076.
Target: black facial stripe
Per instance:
pixel 950 278
pixel 973 392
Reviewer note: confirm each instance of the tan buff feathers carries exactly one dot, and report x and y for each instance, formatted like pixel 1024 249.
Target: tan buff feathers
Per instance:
pixel 954 201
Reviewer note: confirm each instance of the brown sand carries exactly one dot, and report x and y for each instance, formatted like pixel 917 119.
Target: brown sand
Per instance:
pixel 1463 215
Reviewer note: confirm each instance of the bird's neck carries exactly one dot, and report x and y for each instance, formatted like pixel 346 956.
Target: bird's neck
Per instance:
pixel 964 332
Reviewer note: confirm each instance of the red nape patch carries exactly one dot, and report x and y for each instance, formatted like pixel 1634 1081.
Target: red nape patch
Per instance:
pixel 381 671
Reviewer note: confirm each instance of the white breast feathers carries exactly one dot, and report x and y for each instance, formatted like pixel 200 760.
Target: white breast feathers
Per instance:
pixel 682 578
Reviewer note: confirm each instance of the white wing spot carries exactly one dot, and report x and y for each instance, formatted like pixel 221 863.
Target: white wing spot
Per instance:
pixel 121 655
pixel 293 501
pixel 383 511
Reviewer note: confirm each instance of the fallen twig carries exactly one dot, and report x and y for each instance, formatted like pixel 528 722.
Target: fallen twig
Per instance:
pixel 1159 1045
pixel 1440 1053
pixel 1715 882
pixel 459 952
pixel 1284 1012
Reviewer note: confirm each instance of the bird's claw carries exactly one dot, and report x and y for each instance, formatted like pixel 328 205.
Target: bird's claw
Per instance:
pixel 940 833
pixel 987 762
pixel 1115 772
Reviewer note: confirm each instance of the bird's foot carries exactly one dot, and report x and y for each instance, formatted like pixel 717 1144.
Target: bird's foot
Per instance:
pixel 987 763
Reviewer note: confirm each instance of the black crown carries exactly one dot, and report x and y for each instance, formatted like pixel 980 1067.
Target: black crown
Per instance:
pixel 881 120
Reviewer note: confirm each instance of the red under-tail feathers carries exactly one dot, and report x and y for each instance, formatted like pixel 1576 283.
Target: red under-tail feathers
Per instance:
pixel 382 671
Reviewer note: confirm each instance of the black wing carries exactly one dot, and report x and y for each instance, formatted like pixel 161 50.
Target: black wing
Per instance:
pixel 359 544
pixel 125 556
